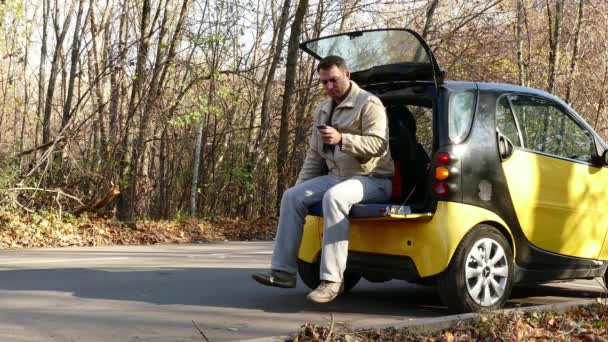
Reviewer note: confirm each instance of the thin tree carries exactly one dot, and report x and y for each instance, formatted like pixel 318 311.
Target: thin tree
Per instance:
pixel 55 68
pixel 290 83
pixel 521 63
pixel 67 108
pixel 575 50
pixel 555 34
pixel 265 113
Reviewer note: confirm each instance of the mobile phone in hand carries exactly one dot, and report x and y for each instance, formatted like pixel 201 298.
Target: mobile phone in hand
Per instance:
pixel 321 126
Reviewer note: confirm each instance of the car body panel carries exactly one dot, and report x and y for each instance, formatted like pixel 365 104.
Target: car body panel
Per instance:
pixel 556 202
pixel 310 246
pixel 430 244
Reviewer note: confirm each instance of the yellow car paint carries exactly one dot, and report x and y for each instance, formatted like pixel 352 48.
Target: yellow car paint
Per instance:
pixel 430 243
pixel 557 203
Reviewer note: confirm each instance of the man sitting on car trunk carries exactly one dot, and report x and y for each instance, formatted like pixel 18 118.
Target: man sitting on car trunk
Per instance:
pixel 350 140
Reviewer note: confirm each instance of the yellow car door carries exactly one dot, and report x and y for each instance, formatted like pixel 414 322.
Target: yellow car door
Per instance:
pixel 554 184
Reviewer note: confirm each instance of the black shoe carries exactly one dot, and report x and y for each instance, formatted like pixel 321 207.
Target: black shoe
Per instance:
pixel 276 278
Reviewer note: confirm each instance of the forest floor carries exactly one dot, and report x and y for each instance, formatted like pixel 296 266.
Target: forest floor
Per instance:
pixel 582 323
pixel 52 230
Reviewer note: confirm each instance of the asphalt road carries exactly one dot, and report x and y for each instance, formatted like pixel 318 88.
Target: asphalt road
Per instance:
pixel 154 293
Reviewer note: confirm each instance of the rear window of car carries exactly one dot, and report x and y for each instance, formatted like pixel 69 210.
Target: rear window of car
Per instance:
pixel 460 114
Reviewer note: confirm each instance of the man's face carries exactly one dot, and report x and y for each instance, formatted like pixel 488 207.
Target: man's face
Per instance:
pixel 335 81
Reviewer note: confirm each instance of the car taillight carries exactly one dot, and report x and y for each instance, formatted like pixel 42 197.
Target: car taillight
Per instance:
pixel 440 189
pixel 443 158
pixel 442 173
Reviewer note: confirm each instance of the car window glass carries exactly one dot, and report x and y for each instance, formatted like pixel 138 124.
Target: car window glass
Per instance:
pixel 505 122
pixel 546 128
pixel 460 114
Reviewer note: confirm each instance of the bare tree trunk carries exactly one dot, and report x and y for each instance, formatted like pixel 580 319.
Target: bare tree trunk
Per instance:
pixel 117 61
pixel 521 64
pixel 299 145
pixel 26 100
pixel 347 11
pixel 555 32
pixel 574 59
pixel 67 108
pixel 126 205
pixel 290 83
pixel 265 114
pixel 42 69
pixel 48 105
pixel 432 5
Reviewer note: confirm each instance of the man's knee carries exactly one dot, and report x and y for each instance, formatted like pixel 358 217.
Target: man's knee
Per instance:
pixel 291 196
pixel 334 197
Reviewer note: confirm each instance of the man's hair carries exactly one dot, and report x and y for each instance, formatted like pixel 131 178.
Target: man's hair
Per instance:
pixel 329 61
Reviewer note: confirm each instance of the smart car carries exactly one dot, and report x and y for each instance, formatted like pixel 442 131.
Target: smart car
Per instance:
pixel 494 184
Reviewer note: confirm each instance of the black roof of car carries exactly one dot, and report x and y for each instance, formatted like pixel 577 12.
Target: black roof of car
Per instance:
pixel 511 88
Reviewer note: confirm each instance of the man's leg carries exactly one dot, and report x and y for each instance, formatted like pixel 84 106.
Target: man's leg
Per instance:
pixel 337 202
pixel 294 207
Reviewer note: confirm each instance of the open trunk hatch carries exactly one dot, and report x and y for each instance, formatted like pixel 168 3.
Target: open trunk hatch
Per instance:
pixel 380 56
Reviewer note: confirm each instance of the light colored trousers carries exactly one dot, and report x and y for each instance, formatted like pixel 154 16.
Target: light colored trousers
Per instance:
pixel 338 195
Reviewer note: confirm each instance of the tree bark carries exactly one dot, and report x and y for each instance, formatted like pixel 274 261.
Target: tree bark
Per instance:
pixel 265 114
pixel 521 64
pixel 290 83
pixel 48 104
pixel 42 68
pixel 432 6
pixel 67 108
pixel 126 205
pixel 555 30
pixel 575 50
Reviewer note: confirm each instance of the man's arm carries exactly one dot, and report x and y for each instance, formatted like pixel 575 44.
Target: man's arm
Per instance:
pixel 314 163
pixel 373 142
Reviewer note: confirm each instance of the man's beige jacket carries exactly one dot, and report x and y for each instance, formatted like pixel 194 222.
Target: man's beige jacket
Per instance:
pixel 362 121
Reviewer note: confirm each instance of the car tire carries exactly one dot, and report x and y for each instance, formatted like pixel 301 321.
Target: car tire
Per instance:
pixel 310 273
pixel 472 285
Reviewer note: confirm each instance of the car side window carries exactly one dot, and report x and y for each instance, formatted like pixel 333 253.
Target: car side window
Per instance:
pixel 505 122
pixel 548 129
pixel 460 114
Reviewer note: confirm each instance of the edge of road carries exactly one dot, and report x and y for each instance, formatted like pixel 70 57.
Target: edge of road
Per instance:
pixel 430 325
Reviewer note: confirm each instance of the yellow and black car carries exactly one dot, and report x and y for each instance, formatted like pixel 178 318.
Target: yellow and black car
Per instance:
pixel 494 185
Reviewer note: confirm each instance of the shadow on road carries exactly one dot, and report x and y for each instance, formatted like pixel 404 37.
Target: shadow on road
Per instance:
pixel 234 288
pixel 221 287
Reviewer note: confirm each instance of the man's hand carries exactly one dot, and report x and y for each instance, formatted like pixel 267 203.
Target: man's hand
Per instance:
pixel 330 135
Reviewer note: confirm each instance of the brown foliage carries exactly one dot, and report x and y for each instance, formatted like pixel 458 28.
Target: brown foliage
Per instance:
pixel 585 323
pixel 35 230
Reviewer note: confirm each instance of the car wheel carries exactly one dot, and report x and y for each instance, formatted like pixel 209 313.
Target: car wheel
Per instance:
pixel 480 274
pixel 310 274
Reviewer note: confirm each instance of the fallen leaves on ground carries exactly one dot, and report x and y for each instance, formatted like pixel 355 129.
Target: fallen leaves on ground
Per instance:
pixel 47 230
pixel 584 323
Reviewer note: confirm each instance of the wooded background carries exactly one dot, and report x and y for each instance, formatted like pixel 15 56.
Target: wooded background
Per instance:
pixel 173 108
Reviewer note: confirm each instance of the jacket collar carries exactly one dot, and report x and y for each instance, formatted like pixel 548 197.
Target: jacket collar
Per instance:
pixel 348 102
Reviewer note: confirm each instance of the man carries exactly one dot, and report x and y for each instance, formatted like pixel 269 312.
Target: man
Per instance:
pixel 350 139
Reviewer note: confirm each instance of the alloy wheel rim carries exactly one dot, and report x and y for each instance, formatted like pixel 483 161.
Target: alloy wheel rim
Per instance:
pixel 486 272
